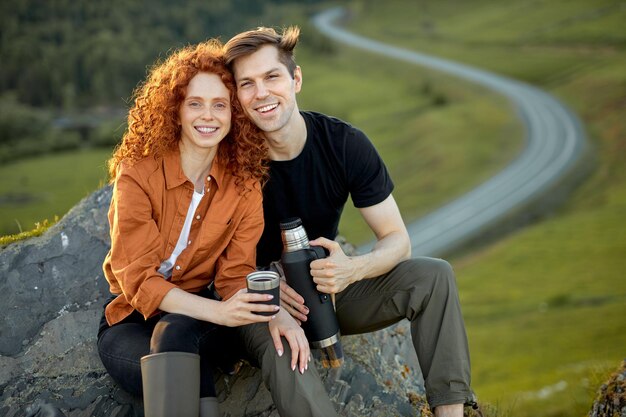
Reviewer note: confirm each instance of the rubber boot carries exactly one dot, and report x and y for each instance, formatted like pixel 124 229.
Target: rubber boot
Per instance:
pixel 171 384
pixel 209 407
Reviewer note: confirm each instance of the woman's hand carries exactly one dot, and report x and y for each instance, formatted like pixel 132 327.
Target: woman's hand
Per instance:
pixel 285 325
pixel 236 311
pixel 239 309
pixel 293 302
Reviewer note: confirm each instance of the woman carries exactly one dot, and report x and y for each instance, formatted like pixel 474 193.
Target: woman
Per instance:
pixel 186 214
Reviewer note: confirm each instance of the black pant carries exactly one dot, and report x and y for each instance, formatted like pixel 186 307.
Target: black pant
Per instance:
pixel 122 346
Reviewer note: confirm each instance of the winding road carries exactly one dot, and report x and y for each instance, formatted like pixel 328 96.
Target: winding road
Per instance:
pixel 555 141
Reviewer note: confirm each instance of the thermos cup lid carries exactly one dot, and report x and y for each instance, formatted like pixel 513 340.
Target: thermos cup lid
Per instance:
pixel 263 280
pixel 290 223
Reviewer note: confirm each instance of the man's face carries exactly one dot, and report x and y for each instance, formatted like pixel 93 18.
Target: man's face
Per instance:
pixel 266 90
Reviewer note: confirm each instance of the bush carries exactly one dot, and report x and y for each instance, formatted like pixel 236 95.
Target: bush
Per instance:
pixel 107 134
pixel 62 140
pixel 19 121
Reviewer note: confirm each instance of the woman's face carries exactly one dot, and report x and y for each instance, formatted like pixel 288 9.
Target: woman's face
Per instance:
pixel 205 112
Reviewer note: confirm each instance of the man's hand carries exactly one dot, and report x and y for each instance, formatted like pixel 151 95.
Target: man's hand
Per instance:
pixel 285 325
pixel 335 272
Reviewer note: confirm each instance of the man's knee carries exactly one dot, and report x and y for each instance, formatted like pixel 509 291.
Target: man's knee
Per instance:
pixel 429 280
pixel 271 361
pixel 436 272
pixel 275 366
pixel 294 394
pixel 256 341
pixel 445 276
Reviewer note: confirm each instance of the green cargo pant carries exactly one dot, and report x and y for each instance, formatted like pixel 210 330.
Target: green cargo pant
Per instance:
pixel 294 394
pixel 422 290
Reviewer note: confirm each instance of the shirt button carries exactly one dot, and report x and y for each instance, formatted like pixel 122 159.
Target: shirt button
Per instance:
pixel 189 242
pixel 208 178
pixel 178 267
pixel 198 217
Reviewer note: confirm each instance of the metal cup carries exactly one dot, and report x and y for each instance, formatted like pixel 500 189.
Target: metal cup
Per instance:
pixel 265 282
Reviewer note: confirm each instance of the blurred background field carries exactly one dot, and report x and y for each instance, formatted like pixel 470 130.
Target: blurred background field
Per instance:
pixel 81 106
pixel 544 306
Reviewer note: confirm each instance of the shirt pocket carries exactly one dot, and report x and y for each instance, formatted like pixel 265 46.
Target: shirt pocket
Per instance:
pixel 213 238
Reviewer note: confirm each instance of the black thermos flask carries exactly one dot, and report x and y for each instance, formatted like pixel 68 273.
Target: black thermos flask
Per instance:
pixel 321 327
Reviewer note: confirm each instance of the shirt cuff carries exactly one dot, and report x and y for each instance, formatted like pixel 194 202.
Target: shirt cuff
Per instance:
pixel 150 294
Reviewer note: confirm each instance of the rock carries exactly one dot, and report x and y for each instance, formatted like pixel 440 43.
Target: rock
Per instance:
pixel 52 291
pixel 611 398
pixel 59 272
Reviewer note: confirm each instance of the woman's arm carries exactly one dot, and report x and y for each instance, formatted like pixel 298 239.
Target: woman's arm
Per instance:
pixel 136 243
pixel 136 255
pixel 236 311
pixel 237 260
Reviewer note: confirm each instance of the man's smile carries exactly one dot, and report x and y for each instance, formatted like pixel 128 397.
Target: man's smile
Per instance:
pixel 267 108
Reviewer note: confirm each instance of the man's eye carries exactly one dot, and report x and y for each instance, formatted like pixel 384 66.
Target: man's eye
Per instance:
pixel 245 84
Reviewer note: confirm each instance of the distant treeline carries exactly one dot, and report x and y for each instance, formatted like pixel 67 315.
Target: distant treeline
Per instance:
pixel 69 57
pixel 68 53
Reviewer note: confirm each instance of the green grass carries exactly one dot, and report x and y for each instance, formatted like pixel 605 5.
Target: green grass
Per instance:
pixel 547 305
pixel 551 39
pixel 40 188
pixel 544 307
pixel 39 229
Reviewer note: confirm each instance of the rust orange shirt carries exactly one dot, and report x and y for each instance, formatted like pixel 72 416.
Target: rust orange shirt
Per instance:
pixel 148 209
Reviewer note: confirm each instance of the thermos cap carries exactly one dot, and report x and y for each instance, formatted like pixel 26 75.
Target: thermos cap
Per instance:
pixel 293 235
pixel 290 223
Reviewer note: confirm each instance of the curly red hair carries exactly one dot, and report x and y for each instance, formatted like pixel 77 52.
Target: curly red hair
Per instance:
pixel 153 121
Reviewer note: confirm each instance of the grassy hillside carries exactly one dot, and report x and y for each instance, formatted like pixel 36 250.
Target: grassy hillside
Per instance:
pixel 544 307
pixel 42 188
pixel 415 118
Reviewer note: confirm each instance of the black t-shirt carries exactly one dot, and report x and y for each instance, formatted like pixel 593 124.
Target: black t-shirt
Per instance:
pixel 337 160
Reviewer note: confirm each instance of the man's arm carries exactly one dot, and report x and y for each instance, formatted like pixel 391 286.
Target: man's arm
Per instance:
pixel 334 273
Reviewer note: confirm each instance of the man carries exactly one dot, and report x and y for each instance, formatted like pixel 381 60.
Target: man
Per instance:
pixel 316 163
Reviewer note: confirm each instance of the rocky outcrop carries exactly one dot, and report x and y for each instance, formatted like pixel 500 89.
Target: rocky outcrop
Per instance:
pixel 611 398
pixel 52 293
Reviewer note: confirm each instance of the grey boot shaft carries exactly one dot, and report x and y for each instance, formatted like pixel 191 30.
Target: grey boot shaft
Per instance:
pixel 209 407
pixel 171 384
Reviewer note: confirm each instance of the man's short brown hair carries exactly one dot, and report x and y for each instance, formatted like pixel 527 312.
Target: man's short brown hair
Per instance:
pixel 247 43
